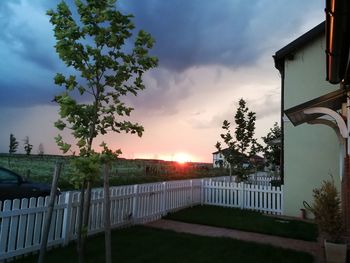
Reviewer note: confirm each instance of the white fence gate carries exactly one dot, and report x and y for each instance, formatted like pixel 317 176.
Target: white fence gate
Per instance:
pixel 22 221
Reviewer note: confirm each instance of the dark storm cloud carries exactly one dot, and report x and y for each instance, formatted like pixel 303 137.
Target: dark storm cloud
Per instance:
pixel 164 91
pixel 226 32
pixel 188 33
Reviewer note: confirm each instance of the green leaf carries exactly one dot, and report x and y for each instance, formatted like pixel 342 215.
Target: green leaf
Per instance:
pixel 60 125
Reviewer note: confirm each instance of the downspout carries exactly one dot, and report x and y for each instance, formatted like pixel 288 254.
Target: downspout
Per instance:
pixel 279 64
pixel 282 125
pixel 338 40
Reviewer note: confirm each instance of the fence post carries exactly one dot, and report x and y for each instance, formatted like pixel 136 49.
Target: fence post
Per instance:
pixel 66 226
pixel 164 200
pixel 241 186
pixel 191 196
pixel 202 192
pixel 135 203
pixel 282 199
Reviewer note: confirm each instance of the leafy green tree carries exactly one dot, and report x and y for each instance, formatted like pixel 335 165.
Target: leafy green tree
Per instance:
pixel 41 149
pixel 272 149
pixel 238 151
pixel 105 71
pixel 27 146
pixel 13 144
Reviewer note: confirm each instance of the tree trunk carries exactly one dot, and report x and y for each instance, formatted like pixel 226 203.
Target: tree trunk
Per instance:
pixel 107 208
pixel 84 220
pixel 48 217
pixel 87 205
pixel 80 247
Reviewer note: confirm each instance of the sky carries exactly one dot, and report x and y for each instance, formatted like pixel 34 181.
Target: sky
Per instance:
pixel 211 54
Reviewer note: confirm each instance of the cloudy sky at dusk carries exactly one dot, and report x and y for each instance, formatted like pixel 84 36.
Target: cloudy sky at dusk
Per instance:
pixel 211 54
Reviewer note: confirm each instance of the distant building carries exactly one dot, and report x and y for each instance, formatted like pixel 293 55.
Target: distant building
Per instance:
pixel 257 160
pixel 219 160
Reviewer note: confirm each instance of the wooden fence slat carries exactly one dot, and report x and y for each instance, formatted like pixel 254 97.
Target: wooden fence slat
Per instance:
pixel 22 224
pixel 38 222
pixel 5 224
pixel 16 204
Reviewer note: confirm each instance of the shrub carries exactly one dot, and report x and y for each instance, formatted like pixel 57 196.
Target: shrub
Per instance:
pixel 327 211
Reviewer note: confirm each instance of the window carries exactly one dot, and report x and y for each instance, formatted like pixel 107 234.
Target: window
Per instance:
pixel 6 177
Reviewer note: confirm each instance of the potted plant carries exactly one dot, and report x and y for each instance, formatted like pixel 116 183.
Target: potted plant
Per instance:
pixel 328 217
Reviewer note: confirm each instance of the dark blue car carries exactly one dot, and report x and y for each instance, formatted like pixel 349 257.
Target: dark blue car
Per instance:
pixel 13 186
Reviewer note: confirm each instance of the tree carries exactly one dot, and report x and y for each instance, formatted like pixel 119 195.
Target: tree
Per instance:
pixel 272 149
pixel 106 70
pixel 13 144
pixel 41 149
pixel 238 151
pixel 27 146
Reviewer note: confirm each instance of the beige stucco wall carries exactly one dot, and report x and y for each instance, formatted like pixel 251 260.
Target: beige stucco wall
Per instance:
pixel 311 152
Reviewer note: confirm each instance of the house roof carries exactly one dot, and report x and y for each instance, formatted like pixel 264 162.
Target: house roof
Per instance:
pixel 276 141
pixel 226 150
pixel 332 100
pixel 222 151
pixel 287 51
pixel 257 157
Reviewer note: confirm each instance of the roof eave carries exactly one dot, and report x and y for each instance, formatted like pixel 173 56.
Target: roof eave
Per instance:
pixel 287 51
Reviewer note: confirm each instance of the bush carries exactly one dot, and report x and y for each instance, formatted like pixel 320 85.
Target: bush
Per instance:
pixel 327 211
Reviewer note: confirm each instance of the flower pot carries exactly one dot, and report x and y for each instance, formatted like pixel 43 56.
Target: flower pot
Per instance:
pixel 335 253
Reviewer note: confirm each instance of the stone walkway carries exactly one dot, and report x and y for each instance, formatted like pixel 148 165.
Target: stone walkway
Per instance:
pixel 310 247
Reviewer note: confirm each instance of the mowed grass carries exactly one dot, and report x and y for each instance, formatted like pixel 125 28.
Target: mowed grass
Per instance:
pixel 246 220
pixel 141 244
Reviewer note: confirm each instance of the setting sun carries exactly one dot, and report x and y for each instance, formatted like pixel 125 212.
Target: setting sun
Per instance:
pixel 182 158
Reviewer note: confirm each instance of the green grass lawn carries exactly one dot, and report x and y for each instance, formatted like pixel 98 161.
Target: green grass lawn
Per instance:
pixel 246 220
pixel 141 244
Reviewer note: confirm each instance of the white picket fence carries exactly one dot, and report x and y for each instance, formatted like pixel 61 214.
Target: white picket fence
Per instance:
pixel 262 198
pixel 22 221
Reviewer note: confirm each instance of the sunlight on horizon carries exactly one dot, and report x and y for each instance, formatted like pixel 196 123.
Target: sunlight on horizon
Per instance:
pixel 182 158
pixel 179 157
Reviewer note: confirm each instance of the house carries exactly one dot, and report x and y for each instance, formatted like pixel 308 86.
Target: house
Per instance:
pixel 257 160
pixel 310 152
pixel 219 159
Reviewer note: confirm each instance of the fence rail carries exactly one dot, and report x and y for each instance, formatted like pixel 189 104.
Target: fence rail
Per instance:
pixel 22 221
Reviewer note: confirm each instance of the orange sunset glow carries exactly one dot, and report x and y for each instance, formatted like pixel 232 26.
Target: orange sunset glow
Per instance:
pixel 182 158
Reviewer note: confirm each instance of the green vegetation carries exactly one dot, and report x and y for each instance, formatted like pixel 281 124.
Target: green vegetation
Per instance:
pixel 107 58
pixel 328 213
pixel 13 144
pixel 141 244
pixel 27 146
pixel 123 171
pixel 246 220
pixel 240 148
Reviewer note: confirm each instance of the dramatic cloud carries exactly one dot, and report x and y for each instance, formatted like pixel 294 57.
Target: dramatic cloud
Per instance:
pixel 211 54
pixel 226 32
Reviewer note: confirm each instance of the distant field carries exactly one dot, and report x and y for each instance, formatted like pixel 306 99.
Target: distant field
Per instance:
pixel 40 168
